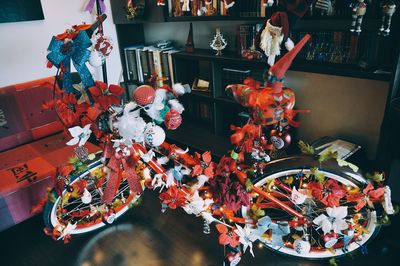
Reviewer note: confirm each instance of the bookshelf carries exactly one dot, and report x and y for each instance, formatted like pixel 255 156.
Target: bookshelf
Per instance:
pixel 211 133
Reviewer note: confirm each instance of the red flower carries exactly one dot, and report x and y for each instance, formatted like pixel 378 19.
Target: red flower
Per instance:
pixel 329 194
pixel 106 95
pixel 369 196
pixel 206 167
pixel 225 166
pixel 227 237
pixel 230 193
pixel 173 197
pixel 69 110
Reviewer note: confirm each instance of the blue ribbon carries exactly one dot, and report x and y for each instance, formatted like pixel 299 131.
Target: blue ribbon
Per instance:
pixel 76 50
pixel 279 230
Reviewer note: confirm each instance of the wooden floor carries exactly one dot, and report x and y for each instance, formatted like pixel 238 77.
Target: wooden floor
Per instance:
pixel 145 236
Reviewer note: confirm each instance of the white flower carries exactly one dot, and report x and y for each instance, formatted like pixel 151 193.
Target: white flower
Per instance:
pixel 387 202
pixel 201 180
pixel 246 237
pixel 86 197
pixel 66 230
pixel 147 156
pixel 197 204
pixel 334 222
pixel 207 216
pixel 79 135
pixel 158 182
pixel 162 160
pixel 297 197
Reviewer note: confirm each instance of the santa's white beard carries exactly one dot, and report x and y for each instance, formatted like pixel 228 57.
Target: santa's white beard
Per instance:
pixel 270 45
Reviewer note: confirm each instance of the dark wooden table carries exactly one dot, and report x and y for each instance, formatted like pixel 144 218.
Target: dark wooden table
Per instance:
pixel 145 236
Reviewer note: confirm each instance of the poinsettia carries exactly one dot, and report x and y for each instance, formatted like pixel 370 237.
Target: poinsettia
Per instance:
pixel 68 108
pixel 227 237
pixel 106 95
pixel 329 194
pixel 225 166
pixel 231 193
pixel 173 197
pixel 244 136
pixel 206 166
pixel 369 196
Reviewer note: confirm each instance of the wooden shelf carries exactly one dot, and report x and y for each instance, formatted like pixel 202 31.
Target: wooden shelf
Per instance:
pixel 212 18
pixel 298 65
pixel 202 94
pixel 199 137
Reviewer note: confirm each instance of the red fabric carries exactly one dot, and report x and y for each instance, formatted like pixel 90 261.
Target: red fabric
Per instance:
pixel 280 19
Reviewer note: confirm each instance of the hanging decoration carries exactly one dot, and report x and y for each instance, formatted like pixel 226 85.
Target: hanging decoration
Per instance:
pixel 359 8
pixel 388 9
pixel 101 49
pixel 218 43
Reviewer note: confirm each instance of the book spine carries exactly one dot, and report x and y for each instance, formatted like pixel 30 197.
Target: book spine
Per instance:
pixel 139 66
pixel 145 65
pixel 165 67
pixel 132 64
pixel 157 66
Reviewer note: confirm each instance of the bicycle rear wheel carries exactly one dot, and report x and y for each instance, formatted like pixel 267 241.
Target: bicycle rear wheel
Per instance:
pixel 282 176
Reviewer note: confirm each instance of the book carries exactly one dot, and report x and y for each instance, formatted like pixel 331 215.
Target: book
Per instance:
pixel 130 64
pixel 139 66
pixel 171 66
pixel 157 66
pixel 146 72
pixel 165 67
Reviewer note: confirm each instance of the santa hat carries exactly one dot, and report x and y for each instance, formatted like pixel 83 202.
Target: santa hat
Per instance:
pixel 279 24
pixel 278 70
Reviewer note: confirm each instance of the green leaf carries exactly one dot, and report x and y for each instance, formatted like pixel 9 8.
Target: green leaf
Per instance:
pixel 73 160
pixel 342 162
pixel 51 197
pixel 377 177
pixel 306 148
pixel 257 212
pixel 320 177
pixel 329 154
pixel 136 203
pixel 333 262
pixel 248 184
pixel 384 220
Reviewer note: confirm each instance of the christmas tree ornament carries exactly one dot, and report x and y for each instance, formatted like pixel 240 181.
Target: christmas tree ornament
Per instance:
pixel 218 43
pixel 229 3
pixel 154 135
pixel 173 119
pixel 388 9
pixel 275 30
pixel 144 95
pixel 95 59
pixel 189 46
pixel 233 258
pixel 301 246
pixel 109 216
pixel 330 239
pixel 185 5
pixel 210 10
pixel 359 8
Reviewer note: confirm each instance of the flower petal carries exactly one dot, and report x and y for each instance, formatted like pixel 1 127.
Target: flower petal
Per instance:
pixel 339 225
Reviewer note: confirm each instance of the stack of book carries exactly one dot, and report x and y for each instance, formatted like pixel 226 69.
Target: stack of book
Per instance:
pixel 142 62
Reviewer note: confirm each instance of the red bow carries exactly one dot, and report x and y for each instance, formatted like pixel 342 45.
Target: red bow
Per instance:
pixel 120 166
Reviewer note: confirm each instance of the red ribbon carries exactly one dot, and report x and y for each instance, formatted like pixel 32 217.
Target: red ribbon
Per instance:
pixel 120 166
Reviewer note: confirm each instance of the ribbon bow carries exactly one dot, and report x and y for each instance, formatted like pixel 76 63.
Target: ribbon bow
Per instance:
pixel 90 6
pixel 62 51
pixel 279 230
pixel 122 163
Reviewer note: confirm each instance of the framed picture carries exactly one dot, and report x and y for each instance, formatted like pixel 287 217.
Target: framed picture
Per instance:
pixel 20 10
pixel 200 85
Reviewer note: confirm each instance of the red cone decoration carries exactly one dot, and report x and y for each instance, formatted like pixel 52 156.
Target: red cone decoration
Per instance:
pixel 278 70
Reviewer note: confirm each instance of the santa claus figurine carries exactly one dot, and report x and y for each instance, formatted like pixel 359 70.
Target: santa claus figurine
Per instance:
pixel 275 30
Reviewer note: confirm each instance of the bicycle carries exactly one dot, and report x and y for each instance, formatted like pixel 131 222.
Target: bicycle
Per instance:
pixel 302 206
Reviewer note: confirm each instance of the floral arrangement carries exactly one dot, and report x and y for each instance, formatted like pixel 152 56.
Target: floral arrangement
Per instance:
pixel 305 212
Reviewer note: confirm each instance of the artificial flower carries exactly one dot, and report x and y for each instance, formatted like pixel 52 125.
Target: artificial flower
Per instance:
pixel 387 202
pixel 227 237
pixel 334 221
pixel 226 166
pixel 106 95
pixel 231 193
pixel 197 204
pixel 246 237
pixel 297 197
pixel 245 136
pixel 82 92
pixel 86 197
pixel 158 181
pixel 368 196
pixel 69 110
pixel 329 194
pixel 205 167
pixel 173 197
pixel 79 135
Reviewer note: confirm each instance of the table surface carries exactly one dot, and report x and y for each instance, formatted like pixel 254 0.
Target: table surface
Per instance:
pixel 145 236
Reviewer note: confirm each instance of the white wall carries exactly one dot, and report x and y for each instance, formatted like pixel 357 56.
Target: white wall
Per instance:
pixel 23 45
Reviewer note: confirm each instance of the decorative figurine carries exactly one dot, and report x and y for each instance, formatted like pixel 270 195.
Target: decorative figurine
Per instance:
pixel 359 9
pixel 218 43
pixel 388 9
